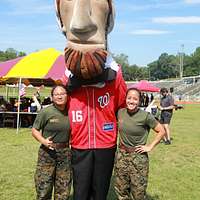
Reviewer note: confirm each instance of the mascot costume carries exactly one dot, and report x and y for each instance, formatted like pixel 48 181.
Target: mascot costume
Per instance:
pixel 97 92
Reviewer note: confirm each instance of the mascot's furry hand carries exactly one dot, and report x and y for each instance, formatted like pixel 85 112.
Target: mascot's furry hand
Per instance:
pixel 86 65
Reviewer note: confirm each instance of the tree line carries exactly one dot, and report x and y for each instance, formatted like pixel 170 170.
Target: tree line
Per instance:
pixel 10 53
pixel 166 66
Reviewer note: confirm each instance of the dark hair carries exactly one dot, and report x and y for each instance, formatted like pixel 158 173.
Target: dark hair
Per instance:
pixel 162 90
pixel 135 89
pixel 55 86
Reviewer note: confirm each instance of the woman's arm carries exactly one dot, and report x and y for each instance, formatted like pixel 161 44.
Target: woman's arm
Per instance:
pixel 38 136
pixel 160 132
pixel 166 108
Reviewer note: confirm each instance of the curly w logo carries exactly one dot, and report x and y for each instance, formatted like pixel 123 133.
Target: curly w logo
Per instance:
pixel 104 100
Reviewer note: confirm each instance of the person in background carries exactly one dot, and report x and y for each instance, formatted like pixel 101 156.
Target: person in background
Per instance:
pixel 35 104
pixel 47 101
pixel 15 105
pixel 132 163
pixel 166 107
pixel 142 102
pixel 180 97
pixel 146 100
pixel 2 104
pixel 151 97
pixel 52 129
pixel 2 109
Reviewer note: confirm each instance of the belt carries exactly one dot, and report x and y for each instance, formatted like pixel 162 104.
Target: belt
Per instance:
pixel 127 149
pixel 60 145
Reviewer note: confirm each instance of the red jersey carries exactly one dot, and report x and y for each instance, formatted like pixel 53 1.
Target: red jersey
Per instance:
pixel 92 114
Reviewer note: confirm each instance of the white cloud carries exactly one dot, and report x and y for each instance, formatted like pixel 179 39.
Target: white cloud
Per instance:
pixel 148 32
pixel 130 6
pixel 192 1
pixel 177 20
pixel 21 7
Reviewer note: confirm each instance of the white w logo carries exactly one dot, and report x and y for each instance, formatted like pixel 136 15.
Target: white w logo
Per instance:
pixel 104 100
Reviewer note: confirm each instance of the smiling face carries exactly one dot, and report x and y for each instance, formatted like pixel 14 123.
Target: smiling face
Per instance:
pixel 132 100
pixel 85 23
pixel 59 97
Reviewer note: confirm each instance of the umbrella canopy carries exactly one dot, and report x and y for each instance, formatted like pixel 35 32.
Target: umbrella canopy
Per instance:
pixel 42 67
pixel 45 64
pixel 145 86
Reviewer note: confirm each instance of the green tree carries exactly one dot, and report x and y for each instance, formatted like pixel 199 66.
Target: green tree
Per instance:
pixel 195 65
pixel 122 59
pixel 164 67
pixel 9 54
pixel 131 72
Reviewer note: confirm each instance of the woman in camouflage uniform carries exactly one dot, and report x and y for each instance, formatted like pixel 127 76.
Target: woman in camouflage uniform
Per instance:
pixel 52 129
pixel 132 164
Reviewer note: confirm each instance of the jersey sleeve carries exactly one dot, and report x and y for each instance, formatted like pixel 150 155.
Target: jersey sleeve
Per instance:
pixel 120 90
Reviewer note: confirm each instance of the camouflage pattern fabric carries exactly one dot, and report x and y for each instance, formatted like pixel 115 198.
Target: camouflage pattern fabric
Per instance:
pixel 131 174
pixel 53 170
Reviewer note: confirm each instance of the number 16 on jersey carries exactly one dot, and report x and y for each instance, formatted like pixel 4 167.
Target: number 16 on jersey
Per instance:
pixel 77 116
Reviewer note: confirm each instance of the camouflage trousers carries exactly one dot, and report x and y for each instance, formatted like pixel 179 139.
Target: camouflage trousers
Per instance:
pixel 131 175
pixel 53 171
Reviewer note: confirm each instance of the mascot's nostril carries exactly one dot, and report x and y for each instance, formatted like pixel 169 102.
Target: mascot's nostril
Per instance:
pixel 83 29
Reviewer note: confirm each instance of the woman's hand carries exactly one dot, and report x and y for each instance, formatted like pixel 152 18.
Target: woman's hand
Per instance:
pixel 143 148
pixel 48 143
pixel 160 132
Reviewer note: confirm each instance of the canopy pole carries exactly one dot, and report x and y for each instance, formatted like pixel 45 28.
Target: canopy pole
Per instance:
pixel 18 109
pixel 6 92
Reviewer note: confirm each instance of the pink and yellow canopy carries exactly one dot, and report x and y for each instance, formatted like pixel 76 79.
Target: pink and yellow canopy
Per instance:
pixel 44 64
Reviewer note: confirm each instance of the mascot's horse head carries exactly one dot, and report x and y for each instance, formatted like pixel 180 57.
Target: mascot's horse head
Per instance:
pixel 86 24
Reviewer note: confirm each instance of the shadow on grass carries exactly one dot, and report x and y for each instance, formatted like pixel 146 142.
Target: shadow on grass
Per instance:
pixel 112 195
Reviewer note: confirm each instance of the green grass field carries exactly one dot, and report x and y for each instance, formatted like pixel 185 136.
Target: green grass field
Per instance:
pixel 174 169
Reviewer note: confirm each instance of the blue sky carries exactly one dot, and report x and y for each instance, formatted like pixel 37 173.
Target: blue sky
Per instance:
pixel 143 28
